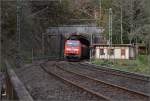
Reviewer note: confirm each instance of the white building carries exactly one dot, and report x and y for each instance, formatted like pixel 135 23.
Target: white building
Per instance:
pixel 115 51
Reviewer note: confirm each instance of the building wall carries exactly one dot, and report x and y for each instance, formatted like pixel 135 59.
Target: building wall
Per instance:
pixel 129 52
pixel 132 53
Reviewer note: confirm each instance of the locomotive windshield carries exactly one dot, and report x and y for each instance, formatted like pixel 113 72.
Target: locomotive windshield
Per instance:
pixel 72 43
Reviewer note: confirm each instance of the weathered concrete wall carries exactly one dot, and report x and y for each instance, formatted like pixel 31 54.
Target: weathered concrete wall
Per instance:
pixel 88 29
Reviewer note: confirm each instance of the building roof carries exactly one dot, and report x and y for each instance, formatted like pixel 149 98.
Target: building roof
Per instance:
pixel 114 45
pixel 140 45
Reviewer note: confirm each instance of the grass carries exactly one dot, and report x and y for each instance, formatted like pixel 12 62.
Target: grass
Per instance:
pixel 139 65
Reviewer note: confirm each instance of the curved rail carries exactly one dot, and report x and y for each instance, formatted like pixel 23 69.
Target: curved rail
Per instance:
pixel 75 84
pixel 75 80
pixel 119 72
pixel 136 92
pixel 113 78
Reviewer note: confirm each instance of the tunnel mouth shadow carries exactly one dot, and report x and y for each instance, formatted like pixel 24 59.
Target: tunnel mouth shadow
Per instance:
pixel 84 41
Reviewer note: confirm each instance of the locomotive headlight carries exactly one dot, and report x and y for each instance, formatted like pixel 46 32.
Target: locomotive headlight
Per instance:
pixel 68 49
pixel 76 49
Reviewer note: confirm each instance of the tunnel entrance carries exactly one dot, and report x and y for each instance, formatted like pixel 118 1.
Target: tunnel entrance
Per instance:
pixel 81 32
pixel 81 38
pixel 85 44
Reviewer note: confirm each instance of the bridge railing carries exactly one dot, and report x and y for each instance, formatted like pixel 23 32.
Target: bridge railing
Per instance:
pixel 15 90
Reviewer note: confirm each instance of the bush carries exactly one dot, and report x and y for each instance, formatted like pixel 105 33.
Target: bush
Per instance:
pixel 143 59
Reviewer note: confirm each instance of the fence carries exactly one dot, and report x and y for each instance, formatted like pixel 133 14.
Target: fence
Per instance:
pixel 15 89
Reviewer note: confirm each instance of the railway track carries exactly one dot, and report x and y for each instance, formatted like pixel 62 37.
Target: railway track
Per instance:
pixel 46 87
pixel 96 87
pixel 119 72
pixel 122 80
pixel 54 72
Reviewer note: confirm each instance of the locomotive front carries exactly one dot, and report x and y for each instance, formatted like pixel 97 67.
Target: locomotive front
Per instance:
pixel 72 49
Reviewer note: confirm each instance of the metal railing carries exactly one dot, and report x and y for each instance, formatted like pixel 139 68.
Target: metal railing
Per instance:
pixel 15 90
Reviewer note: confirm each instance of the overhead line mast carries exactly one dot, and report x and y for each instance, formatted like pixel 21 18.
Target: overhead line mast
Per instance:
pixel 100 7
pixel 110 26
pixel 18 33
pixel 121 24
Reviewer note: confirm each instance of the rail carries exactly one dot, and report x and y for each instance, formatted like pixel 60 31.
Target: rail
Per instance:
pixel 15 90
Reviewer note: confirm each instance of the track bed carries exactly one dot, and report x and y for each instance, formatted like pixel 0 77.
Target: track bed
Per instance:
pixel 67 81
pixel 43 86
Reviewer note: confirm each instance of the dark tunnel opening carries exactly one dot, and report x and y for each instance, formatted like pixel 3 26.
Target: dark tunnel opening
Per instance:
pixel 81 38
pixel 84 41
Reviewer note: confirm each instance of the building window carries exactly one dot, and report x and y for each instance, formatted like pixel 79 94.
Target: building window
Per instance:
pixel 122 52
pixel 110 51
pixel 102 52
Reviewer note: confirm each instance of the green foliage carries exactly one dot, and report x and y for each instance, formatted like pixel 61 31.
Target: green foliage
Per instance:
pixel 143 59
pixel 102 62
pixel 136 20
pixel 139 65
pixel 62 13
pixel 106 4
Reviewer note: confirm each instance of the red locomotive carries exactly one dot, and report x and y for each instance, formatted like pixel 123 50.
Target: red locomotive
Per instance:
pixel 76 49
